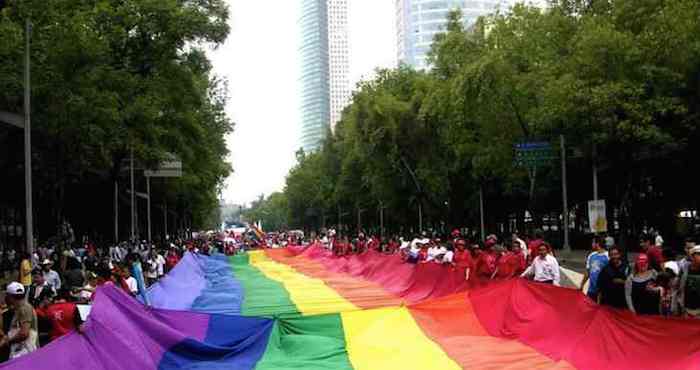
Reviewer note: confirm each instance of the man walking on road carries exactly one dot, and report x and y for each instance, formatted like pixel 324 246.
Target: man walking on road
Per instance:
pixel 595 263
pixel 611 281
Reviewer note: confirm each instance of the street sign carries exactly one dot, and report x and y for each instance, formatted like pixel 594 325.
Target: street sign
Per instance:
pixel 171 167
pixel 164 172
pixel 533 153
pixel 597 216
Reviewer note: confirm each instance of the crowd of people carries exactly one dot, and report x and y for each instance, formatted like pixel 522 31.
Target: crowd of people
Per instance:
pixel 488 260
pixel 659 282
pixel 48 287
pixel 43 301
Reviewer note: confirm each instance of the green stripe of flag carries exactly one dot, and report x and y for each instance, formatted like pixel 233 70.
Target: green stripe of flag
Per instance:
pixel 308 343
pixel 262 296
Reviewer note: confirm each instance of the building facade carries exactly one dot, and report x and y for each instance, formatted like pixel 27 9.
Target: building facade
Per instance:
pixel 325 88
pixel 417 22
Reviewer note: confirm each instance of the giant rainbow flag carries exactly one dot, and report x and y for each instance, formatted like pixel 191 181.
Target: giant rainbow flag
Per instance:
pixel 305 309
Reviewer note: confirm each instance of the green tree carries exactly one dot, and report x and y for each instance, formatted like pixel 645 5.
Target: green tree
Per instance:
pixel 111 76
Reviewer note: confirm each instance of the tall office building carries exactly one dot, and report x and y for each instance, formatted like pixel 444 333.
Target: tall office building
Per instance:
pixel 417 22
pixel 324 67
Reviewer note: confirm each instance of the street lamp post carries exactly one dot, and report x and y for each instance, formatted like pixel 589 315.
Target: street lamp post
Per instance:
pixel 481 212
pixel 148 207
pixel 28 139
pixel 25 123
pixel 565 199
pixel 133 193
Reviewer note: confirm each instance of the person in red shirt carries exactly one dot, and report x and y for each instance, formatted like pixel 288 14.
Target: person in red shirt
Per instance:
pixel 423 253
pixel 393 246
pixel 504 264
pixel 463 259
pixel 63 315
pixel 344 247
pixel 487 261
pixel 534 245
pixel 656 257
pixel 455 237
pixel 519 260
pixel 171 260
pixel 512 262
pixel 337 247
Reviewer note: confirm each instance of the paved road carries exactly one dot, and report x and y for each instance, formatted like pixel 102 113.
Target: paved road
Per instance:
pixel 573 266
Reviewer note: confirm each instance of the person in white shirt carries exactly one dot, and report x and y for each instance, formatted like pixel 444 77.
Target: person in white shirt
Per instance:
pixel 131 283
pixel 413 252
pixel 449 256
pixel 51 276
pixel 88 289
pixel 414 243
pixel 151 268
pixel 433 252
pixel 160 263
pixel 544 268
pixel 438 252
pixel 404 243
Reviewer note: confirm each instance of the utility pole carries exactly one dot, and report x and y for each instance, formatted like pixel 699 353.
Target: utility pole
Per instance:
pixel 381 218
pixel 565 199
pixel 165 219
pixel 133 194
pixel 420 216
pixel 28 139
pixel 340 220
pixel 116 211
pixel 359 219
pixel 148 206
pixel 481 211
pixel 595 171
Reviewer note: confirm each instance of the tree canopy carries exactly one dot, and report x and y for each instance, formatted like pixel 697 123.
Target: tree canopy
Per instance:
pixel 109 77
pixel 620 80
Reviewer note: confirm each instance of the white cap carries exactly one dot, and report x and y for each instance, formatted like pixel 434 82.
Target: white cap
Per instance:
pixel 673 266
pixel 15 288
pixel 695 249
pixel 47 262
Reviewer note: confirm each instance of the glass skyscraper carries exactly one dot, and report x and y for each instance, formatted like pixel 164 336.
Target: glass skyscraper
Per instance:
pixel 417 22
pixel 324 81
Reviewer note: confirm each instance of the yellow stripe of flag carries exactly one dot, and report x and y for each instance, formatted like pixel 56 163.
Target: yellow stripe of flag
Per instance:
pixel 389 338
pixel 311 296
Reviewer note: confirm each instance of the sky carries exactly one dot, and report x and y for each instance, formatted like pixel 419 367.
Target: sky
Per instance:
pixel 261 63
